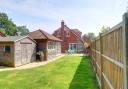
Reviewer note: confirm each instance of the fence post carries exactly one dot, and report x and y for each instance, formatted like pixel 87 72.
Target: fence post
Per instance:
pixel 101 52
pixel 95 58
pixel 125 48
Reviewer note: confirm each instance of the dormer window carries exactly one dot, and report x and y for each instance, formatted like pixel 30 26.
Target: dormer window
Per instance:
pixel 67 34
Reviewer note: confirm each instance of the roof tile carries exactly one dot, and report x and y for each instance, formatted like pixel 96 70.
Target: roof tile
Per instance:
pixel 40 34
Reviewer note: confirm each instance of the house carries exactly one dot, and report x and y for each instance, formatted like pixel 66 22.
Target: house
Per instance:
pixel 17 50
pixel 71 38
pixel 50 45
pixel 2 34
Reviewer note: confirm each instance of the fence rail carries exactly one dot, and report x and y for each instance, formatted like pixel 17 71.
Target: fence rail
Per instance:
pixel 109 54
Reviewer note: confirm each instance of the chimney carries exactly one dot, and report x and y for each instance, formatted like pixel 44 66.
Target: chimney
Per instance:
pixel 62 31
pixel 62 35
pixel 62 25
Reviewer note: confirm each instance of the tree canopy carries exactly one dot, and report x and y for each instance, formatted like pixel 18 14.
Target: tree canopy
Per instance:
pixel 8 27
pixel 91 36
pixel 22 30
pixel 104 29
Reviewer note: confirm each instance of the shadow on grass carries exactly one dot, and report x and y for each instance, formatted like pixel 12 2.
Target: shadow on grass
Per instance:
pixel 84 77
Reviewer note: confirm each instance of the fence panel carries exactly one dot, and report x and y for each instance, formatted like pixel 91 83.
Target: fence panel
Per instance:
pixel 108 57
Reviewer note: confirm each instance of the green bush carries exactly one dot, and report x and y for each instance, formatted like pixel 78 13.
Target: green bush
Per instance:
pixel 6 63
pixel 40 54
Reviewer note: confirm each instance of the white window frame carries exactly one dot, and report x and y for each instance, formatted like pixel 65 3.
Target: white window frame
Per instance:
pixel 73 43
pixel 51 45
pixel 67 33
pixel 3 49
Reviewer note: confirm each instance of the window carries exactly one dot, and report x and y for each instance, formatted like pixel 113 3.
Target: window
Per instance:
pixel 6 49
pixel 67 34
pixel 72 46
pixel 51 45
pixel 48 45
pixel 54 45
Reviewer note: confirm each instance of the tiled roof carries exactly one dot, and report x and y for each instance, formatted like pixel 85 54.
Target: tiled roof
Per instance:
pixel 75 31
pixel 65 28
pixel 40 34
pixel 86 39
pixel 11 38
pixel 37 35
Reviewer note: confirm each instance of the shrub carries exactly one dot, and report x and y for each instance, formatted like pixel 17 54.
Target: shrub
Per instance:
pixel 40 54
pixel 6 63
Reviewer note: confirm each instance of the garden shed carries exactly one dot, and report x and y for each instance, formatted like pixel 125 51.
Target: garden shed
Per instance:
pixel 17 50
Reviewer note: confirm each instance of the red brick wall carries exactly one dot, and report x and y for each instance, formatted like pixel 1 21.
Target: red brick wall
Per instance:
pixel 67 40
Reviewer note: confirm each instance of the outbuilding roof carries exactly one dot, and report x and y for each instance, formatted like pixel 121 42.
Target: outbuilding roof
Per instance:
pixel 13 38
pixel 40 34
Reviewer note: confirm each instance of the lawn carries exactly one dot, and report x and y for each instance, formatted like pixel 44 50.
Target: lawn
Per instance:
pixel 68 72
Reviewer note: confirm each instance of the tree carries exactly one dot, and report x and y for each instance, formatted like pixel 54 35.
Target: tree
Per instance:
pixel 91 36
pixel 7 24
pixel 104 29
pixel 22 30
pixel 2 30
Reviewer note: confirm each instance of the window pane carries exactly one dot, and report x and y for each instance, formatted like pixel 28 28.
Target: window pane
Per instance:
pixel 7 49
pixel 67 34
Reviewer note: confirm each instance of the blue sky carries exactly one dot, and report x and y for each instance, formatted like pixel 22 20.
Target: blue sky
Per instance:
pixel 85 15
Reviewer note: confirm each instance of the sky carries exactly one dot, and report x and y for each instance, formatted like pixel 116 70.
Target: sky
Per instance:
pixel 85 15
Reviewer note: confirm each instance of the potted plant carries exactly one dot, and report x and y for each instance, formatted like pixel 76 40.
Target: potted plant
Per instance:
pixel 40 55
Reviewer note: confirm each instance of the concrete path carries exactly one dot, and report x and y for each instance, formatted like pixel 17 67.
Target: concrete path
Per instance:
pixel 75 54
pixel 30 65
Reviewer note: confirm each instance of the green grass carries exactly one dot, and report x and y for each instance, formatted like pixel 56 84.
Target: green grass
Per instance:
pixel 69 72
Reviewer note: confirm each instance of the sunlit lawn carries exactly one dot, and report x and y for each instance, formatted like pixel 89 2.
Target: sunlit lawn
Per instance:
pixel 69 72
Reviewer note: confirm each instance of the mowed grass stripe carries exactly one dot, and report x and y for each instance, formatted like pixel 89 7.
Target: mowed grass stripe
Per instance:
pixel 68 72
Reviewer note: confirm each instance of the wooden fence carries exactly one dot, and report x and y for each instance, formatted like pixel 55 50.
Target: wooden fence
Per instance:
pixel 109 54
